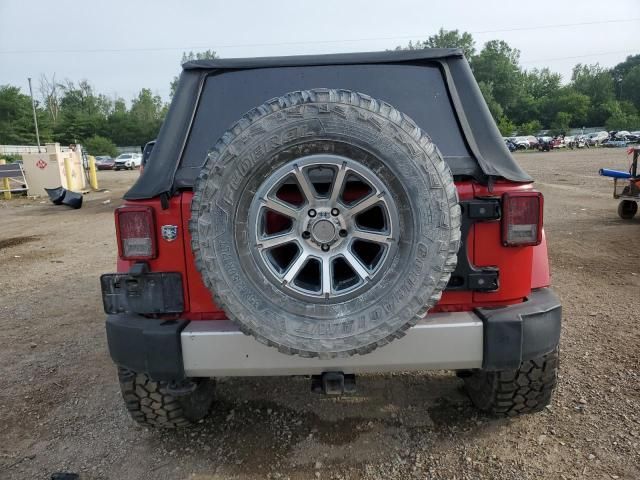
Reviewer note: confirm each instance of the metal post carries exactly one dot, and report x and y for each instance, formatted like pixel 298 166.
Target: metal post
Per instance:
pixel 5 183
pixel 35 118
pixel 93 175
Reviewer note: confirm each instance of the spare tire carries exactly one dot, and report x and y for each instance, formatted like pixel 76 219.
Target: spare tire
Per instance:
pixel 325 223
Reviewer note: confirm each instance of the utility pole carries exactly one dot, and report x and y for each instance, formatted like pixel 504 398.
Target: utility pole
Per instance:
pixel 35 118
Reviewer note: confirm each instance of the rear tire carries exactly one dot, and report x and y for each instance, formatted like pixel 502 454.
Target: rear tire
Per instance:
pixel 509 393
pixel 149 404
pixel 627 209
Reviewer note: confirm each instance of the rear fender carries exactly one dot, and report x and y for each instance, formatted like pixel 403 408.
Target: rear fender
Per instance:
pixel 540 273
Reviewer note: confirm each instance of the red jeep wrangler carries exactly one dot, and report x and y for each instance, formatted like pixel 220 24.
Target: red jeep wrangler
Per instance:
pixel 327 216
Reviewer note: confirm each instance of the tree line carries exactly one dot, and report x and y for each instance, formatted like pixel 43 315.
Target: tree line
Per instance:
pixel 74 113
pixel 70 112
pixel 521 101
pixel 526 101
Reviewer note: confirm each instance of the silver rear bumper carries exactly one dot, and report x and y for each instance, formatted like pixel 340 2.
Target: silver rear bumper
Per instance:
pixel 447 341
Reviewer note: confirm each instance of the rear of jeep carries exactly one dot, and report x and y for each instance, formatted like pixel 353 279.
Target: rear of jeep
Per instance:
pixel 328 216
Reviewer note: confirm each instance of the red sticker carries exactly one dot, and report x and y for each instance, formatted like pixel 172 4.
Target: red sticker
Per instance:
pixel 41 164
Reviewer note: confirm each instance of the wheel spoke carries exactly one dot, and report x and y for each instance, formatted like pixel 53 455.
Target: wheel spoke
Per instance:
pixel 337 184
pixel 304 184
pixel 280 208
pixel 375 237
pixel 294 269
pixel 276 241
pixel 364 204
pixel 326 277
pixel 356 265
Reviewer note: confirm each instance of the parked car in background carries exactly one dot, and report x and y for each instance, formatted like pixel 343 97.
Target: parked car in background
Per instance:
pixel 558 142
pixel 544 144
pixel 633 137
pixel 595 139
pixel 510 145
pixel 128 161
pixel 533 141
pixel 576 141
pixel 105 162
pixel 146 153
pixel 616 142
pixel 524 142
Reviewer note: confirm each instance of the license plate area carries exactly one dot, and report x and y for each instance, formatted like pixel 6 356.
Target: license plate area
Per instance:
pixel 148 293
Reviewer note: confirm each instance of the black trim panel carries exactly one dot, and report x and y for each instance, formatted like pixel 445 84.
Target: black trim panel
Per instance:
pixel 147 345
pixel 521 332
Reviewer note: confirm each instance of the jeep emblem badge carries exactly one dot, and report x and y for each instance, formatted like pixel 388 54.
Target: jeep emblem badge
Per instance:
pixel 169 232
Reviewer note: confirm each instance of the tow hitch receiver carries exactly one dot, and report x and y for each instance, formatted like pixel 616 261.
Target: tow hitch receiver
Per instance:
pixel 333 383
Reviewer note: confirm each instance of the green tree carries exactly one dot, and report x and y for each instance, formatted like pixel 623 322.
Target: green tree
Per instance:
pixel 497 64
pixel 147 107
pixel 622 121
pixel 630 86
pixel 576 104
pixel 98 145
pixel 621 70
pixel 446 39
pixel 506 126
pixel 120 126
pixel 525 108
pixel 494 106
pixel 622 116
pixel 16 118
pixel 561 123
pixel 541 83
pixel 16 123
pixel 83 113
pixel 147 113
pixel 596 83
pixel 529 128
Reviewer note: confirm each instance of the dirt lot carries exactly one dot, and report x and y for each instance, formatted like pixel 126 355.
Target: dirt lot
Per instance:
pixel 60 408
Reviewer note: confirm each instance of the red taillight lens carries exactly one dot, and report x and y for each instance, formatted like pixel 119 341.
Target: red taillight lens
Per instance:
pixel 135 229
pixel 522 218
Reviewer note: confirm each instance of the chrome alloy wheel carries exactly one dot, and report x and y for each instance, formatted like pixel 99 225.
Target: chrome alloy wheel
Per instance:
pixel 324 227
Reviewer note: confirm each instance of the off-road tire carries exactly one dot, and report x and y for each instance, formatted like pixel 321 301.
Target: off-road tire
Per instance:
pixel 149 404
pixel 318 122
pixel 627 209
pixel 514 392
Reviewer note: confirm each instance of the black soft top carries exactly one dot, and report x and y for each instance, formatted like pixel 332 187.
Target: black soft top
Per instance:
pixel 213 94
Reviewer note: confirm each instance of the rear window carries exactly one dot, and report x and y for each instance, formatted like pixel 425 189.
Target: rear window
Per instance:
pixel 124 157
pixel 418 91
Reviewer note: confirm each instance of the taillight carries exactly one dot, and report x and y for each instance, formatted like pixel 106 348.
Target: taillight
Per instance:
pixel 135 229
pixel 522 218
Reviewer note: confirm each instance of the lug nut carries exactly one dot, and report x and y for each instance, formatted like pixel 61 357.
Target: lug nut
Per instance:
pixel 342 233
pixel 335 212
pixel 306 235
pixel 325 248
pixel 312 213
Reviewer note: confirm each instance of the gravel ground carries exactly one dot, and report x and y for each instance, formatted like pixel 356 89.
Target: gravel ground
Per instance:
pixel 60 408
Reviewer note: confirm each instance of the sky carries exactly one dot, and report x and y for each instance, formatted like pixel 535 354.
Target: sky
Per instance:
pixel 123 46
